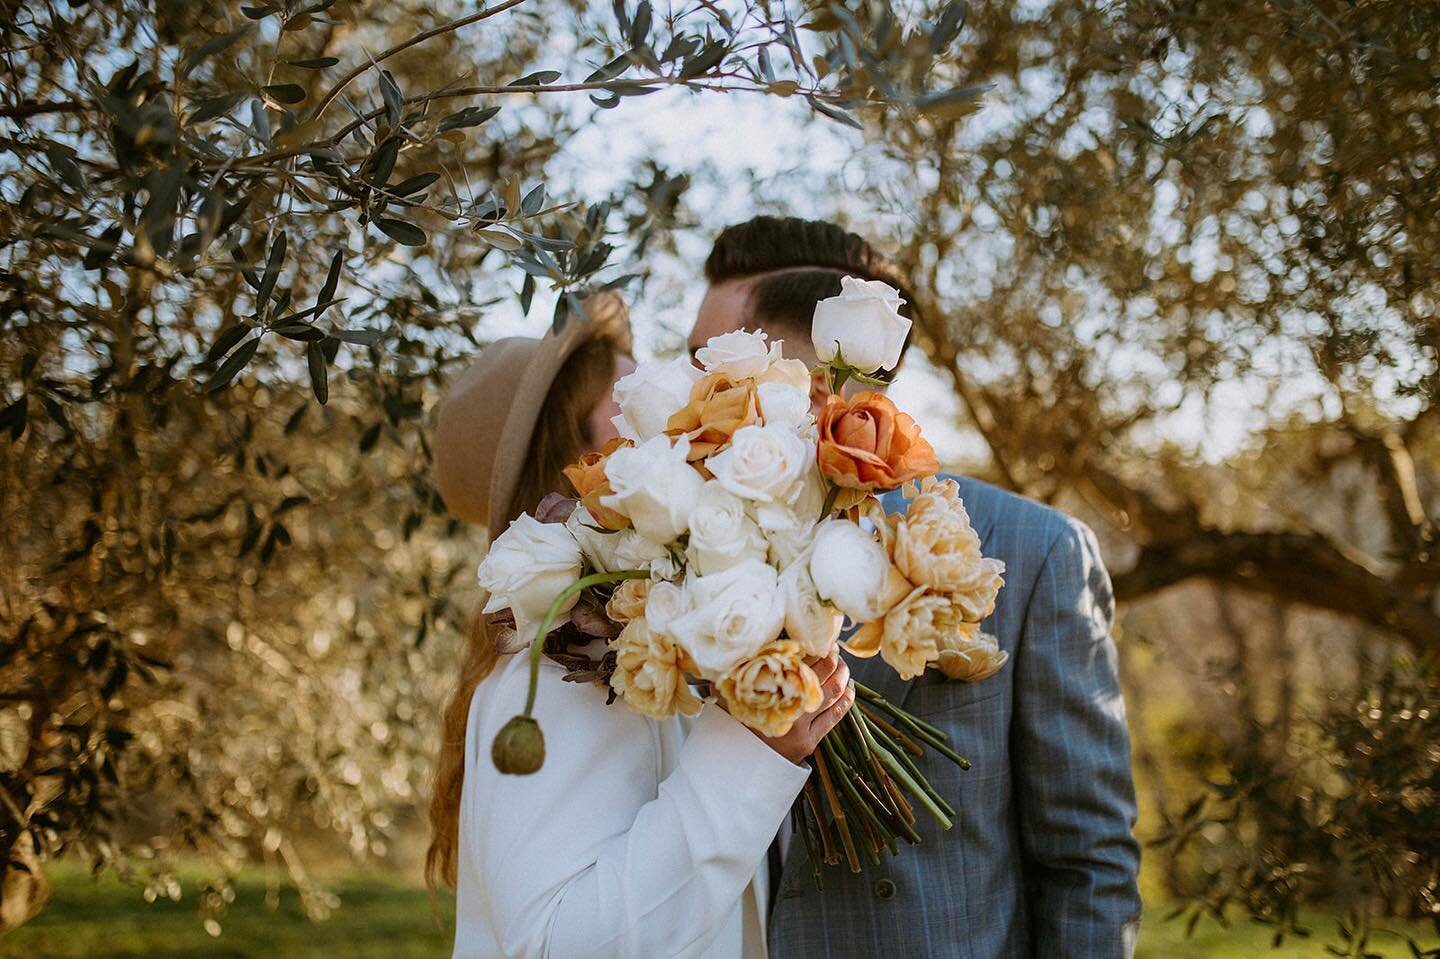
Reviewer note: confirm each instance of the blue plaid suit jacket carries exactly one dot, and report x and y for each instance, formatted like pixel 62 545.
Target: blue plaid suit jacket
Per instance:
pixel 1042 861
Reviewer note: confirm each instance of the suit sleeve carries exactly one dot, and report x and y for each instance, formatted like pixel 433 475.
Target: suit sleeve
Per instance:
pixel 588 858
pixel 1071 757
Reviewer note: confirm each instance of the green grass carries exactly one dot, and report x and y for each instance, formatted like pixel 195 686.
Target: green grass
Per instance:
pixel 379 917
pixel 385 917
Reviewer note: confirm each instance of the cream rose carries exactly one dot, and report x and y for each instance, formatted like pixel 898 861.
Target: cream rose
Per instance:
pixel 731 615
pixel 648 673
pixel 527 567
pixel 971 656
pixel 762 463
pixel 772 689
pixel 808 620
pixel 851 570
pixel 721 533
pixel 654 486
pixel 782 372
pixel 652 394
pixel 862 325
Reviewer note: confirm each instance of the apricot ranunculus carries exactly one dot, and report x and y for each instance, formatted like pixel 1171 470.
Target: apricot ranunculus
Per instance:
pixel 719 405
pixel 587 475
pixel 649 673
pixel 971 656
pixel 868 444
pixel 772 689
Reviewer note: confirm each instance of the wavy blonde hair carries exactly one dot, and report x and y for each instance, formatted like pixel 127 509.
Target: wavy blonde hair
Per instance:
pixel 561 435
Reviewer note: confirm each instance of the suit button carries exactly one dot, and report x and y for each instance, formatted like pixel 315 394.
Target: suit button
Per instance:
pixel 885 889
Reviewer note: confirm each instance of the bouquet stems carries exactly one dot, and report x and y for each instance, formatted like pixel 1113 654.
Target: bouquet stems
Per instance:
pixel 868 778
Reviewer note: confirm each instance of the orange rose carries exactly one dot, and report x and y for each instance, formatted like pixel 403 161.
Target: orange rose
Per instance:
pixel 868 444
pixel 587 475
pixel 718 407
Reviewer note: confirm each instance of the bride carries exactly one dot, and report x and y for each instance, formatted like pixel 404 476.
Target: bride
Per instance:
pixel 637 837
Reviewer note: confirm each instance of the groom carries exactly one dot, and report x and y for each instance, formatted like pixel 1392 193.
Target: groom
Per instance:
pixel 1042 861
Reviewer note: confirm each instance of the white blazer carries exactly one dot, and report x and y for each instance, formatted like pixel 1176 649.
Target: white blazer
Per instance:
pixel 633 840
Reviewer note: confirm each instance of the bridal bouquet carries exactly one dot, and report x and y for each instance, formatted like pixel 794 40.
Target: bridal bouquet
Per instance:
pixel 724 539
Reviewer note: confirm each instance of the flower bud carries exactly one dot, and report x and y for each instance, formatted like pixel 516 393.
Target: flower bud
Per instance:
pixel 519 747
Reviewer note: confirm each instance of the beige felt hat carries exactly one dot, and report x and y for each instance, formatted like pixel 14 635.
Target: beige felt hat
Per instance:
pixel 487 418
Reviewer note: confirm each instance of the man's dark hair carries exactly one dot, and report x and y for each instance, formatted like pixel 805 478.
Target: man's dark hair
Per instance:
pixel 814 255
pixel 786 301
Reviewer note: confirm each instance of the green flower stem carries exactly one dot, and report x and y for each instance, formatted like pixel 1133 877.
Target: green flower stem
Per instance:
pixel 841 825
pixel 900 773
pixel 909 719
pixel 881 743
pixel 537 645
pixel 865 818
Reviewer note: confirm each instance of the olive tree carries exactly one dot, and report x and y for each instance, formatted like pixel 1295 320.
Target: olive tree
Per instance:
pixel 241 247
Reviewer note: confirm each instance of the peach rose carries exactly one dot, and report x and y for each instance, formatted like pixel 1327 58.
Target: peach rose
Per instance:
pixel 719 405
pixel 771 689
pixel 587 475
pixel 868 444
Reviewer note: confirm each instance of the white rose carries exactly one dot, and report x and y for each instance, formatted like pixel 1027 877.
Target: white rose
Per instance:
pixel 732 616
pixel 654 486
pixel 863 324
pixel 808 621
pixel 721 533
pixel 762 463
pixel 783 405
pixel 852 571
pixel 527 567
pixel 650 395
pixel 606 551
pixel 789 525
pixel 739 355
pixel 663 604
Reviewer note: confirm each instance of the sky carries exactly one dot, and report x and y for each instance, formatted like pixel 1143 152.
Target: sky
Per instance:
pixel 749 139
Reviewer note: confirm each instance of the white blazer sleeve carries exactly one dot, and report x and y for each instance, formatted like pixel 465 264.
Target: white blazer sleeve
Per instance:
pixel 587 857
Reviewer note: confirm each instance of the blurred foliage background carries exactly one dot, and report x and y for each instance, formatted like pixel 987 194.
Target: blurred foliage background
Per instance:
pixel 1179 260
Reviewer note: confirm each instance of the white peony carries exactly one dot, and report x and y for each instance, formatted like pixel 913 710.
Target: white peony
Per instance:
pixel 808 620
pixel 863 324
pixel 762 463
pixel 732 615
pixel 650 395
pixel 654 486
pixel 527 567
pixel 853 572
pixel 721 533
pixel 739 355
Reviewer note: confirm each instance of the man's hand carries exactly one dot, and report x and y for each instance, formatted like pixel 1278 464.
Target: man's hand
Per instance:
pixel 838 696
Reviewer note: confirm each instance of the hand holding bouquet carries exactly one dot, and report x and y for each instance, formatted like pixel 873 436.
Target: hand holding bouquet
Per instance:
pixel 718 546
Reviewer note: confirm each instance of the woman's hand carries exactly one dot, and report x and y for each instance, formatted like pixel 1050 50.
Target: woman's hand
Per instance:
pixel 838 696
